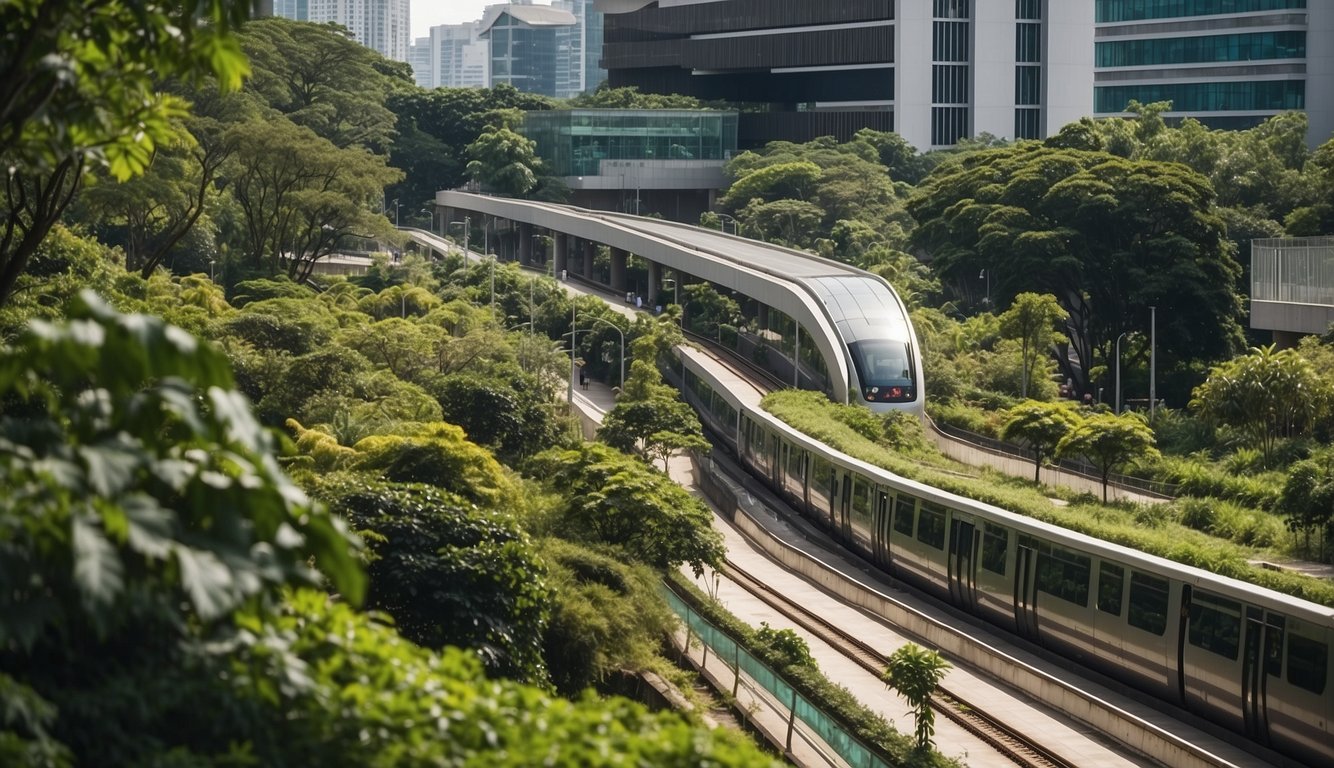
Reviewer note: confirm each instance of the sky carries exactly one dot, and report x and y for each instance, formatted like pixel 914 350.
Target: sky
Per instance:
pixel 432 13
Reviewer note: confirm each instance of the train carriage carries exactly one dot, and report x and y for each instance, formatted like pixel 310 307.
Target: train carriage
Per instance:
pixel 1254 661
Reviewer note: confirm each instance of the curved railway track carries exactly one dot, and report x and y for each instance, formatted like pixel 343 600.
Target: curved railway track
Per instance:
pixel 1020 750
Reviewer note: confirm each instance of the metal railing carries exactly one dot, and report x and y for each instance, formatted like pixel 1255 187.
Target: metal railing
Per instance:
pixel 1293 269
pixel 1073 466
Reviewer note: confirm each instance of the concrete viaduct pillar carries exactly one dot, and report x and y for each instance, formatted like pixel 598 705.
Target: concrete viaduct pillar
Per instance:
pixel 560 246
pixel 590 248
pixel 654 282
pixel 525 244
pixel 618 259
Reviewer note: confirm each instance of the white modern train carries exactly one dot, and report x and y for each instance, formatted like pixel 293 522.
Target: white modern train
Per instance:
pixel 1253 660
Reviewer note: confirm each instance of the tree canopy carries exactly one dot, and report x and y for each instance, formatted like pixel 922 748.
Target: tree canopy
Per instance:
pixel 1108 237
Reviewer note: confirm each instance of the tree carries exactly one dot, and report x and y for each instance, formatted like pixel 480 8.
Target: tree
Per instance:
pixel 1041 426
pixel 504 161
pixel 1267 394
pixel 1307 500
pixel 650 419
pixel 449 573
pixel 143 508
pixel 915 672
pixel 1107 237
pixel 1034 320
pixel 611 498
pixel 321 78
pixel 81 91
pixel 1109 441
pixel 301 195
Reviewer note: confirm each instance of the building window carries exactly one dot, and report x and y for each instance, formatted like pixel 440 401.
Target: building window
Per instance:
pixel 1131 10
pixel 1028 123
pixel 1028 42
pixel 1206 97
pixel 949 84
pixel 952 9
pixel 1255 46
pixel 1028 9
pixel 948 125
pixel 1028 85
pixel 950 41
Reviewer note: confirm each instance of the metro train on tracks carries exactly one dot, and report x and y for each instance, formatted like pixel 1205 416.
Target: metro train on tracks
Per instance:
pixel 1253 660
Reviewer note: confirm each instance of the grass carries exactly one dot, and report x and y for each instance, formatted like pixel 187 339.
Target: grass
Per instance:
pixel 1210 534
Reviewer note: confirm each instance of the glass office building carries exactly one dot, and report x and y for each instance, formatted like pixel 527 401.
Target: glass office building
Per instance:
pixel 1226 63
pixel 576 142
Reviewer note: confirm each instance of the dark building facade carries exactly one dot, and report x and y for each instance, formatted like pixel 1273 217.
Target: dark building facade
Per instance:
pixel 934 71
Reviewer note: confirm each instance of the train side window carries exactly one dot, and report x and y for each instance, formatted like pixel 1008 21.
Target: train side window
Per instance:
pixel 995 545
pixel 1148 602
pixel 1274 645
pixel 1308 663
pixel 1215 624
pixel 931 526
pixel 861 501
pixel 1111 586
pixel 822 489
pixel 1064 573
pixel 904 507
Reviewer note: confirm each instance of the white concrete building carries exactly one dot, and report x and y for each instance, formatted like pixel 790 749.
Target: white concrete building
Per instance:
pixel 383 25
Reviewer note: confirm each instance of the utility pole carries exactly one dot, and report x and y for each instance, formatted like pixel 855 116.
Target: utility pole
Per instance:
pixel 1153 360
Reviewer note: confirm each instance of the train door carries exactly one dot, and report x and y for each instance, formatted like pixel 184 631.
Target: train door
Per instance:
pixel 963 562
pixel 843 526
pixel 884 508
pixel 1262 655
pixel 1025 592
pixel 1183 629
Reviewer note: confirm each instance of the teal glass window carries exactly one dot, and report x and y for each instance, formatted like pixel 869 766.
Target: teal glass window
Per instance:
pixel 1131 10
pixel 1206 97
pixel 575 142
pixel 1253 46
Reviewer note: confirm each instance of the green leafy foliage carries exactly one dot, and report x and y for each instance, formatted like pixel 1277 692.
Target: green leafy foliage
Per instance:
pixel 915 672
pixel 1108 441
pixel 128 459
pixel 437 454
pixel 1041 426
pixel 612 498
pixel 607 616
pixel 1307 500
pixel 448 572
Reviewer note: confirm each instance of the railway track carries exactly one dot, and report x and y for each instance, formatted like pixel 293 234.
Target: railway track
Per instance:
pixel 1016 747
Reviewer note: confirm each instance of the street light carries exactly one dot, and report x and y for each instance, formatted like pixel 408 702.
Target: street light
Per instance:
pixel 1153 360
pixel 619 332
pixel 1118 372
pixel 467 234
pixel 396 212
pixel 986 273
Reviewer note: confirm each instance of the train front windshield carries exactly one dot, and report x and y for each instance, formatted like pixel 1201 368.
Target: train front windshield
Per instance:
pixel 885 369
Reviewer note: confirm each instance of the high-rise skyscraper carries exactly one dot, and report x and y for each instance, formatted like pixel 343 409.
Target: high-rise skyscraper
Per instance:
pixel 452 57
pixel 579 49
pixel 383 25
pixel 522 39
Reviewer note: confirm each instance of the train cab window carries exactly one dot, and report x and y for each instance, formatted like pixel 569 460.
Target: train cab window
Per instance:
pixel 904 507
pixel 1308 663
pixel 1064 573
pixel 995 545
pixel 1148 603
pixel 1111 585
pixel 931 526
pixel 1215 624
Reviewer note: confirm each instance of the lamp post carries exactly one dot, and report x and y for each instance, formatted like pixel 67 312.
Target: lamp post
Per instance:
pixel 211 262
pixel 467 234
pixel 986 274
pixel 396 212
pixel 1153 360
pixel 574 335
pixel 1117 404
pixel 621 334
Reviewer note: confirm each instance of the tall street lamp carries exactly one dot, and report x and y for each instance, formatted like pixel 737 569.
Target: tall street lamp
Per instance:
pixel 1118 372
pixel 1153 360
pixel 467 234
pixel 396 212
pixel 620 333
